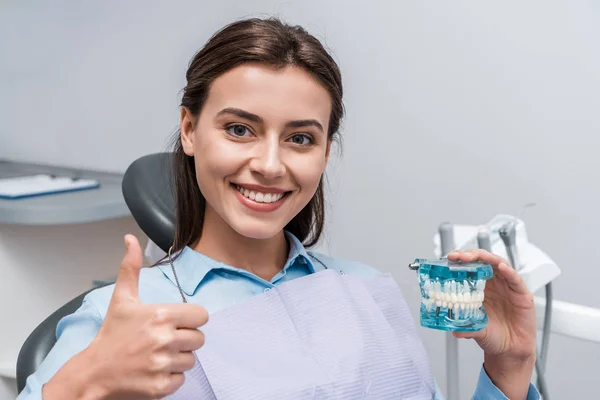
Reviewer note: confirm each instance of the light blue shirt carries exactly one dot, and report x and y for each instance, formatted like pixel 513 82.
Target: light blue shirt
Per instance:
pixel 211 284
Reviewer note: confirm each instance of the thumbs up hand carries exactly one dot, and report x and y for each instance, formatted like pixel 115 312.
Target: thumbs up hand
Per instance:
pixel 143 349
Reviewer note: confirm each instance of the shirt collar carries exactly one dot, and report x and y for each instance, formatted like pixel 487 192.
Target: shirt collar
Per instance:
pixel 192 266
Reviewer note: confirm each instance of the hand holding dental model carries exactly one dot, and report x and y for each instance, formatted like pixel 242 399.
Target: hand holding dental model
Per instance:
pixel 496 311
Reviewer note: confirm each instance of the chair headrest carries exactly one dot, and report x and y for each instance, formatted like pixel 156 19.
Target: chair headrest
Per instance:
pixel 149 192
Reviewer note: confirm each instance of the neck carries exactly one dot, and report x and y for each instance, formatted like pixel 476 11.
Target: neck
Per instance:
pixel 262 257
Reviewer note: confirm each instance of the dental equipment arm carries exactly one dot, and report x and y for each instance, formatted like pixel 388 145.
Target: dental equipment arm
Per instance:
pixel 508 233
pixel 446 232
pixel 506 236
pixel 483 239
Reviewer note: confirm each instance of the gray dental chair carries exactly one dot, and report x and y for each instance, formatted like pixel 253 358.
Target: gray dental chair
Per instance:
pixel 149 195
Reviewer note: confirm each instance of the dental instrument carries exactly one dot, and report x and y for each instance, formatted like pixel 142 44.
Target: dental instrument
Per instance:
pixel 508 235
pixel 446 233
pixel 483 239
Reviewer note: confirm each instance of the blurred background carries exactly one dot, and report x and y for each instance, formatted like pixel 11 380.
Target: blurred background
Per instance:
pixel 456 111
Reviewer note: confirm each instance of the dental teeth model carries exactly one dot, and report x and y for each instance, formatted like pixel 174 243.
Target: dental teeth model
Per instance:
pixel 452 294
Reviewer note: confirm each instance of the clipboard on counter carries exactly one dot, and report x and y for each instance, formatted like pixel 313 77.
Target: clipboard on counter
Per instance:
pixel 21 187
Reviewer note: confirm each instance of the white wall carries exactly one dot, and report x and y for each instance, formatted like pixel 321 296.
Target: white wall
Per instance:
pixel 456 111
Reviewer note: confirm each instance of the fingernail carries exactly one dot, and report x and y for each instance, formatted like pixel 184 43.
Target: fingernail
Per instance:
pixel 126 239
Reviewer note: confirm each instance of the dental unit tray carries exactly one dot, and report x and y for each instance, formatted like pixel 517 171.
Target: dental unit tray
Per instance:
pixel 452 294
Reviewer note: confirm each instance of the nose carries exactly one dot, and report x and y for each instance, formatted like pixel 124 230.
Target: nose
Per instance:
pixel 267 160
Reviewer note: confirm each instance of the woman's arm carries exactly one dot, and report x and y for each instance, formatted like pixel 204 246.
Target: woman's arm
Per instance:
pixel 74 334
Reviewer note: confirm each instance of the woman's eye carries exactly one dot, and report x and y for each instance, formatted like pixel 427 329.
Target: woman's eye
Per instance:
pixel 301 139
pixel 237 130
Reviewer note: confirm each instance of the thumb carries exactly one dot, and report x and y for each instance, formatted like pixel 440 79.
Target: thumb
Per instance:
pixel 126 286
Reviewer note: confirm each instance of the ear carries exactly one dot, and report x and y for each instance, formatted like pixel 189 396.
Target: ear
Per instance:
pixel 186 127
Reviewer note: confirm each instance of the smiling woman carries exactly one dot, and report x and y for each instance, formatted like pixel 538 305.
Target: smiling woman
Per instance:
pixel 260 110
pixel 260 147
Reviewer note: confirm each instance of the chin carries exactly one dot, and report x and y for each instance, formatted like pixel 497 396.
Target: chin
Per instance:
pixel 259 230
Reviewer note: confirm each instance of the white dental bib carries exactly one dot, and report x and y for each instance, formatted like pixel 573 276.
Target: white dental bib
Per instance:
pixel 323 336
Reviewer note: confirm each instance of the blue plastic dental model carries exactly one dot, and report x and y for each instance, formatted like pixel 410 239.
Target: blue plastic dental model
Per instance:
pixel 452 294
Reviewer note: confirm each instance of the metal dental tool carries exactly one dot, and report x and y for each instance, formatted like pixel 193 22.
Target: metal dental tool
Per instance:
pixel 446 231
pixel 508 233
pixel 483 239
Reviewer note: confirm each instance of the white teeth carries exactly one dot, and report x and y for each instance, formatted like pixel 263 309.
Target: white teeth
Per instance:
pixel 464 299
pixel 260 197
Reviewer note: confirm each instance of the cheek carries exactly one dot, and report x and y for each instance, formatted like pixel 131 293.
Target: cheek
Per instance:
pixel 213 163
pixel 216 158
pixel 308 173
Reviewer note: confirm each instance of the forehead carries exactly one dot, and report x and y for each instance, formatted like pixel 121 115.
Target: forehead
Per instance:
pixel 283 94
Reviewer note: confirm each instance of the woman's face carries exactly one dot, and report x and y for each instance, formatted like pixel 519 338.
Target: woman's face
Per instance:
pixel 260 146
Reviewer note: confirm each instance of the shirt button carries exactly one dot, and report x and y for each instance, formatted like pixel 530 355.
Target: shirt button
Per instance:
pixel 267 289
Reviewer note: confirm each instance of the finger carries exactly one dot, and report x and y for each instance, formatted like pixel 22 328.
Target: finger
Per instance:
pixel 126 286
pixel 177 381
pixel 464 256
pixel 454 255
pixel 512 277
pixel 188 340
pixel 476 255
pixel 182 362
pixel 190 316
pixel 166 385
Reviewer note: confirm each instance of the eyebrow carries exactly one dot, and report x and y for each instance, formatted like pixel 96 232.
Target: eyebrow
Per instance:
pixel 255 118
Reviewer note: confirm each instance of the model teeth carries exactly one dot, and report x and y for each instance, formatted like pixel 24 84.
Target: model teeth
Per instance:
pixel 260 197
pixel 465 301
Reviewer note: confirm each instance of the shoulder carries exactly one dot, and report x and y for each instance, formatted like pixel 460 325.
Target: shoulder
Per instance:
pixel 344 265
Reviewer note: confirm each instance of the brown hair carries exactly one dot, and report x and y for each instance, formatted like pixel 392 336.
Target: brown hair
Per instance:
pixel 270 42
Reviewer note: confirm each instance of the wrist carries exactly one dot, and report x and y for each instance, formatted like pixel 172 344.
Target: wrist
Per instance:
pixel 79 379
pixel 511 375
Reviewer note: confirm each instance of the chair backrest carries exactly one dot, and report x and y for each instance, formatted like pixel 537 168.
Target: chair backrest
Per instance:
pixel 39 343
pixel 148 191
